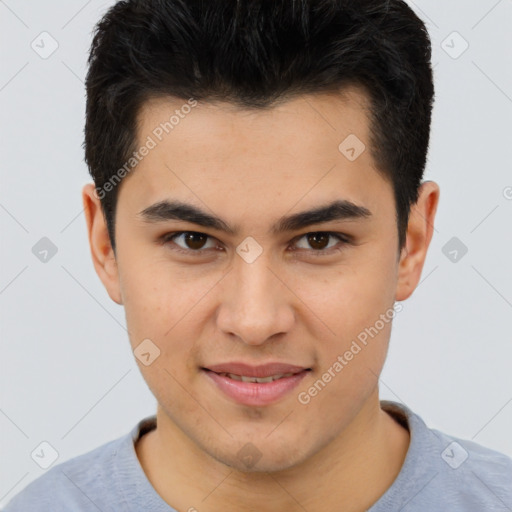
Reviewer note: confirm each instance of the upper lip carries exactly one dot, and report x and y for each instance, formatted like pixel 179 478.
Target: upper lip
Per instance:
pixel 264 370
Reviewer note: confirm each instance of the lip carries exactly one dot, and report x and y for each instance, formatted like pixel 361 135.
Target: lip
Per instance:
pixel 264 370
pixel 255 393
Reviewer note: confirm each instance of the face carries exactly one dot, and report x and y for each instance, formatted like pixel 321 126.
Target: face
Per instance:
pixel 250 287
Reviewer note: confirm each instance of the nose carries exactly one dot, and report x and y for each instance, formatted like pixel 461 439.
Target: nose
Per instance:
pixel 255 304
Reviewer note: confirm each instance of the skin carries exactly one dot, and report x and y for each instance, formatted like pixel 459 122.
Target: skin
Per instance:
pixel 340 451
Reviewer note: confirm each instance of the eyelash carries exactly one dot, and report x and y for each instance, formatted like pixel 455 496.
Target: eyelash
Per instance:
pixel 344 239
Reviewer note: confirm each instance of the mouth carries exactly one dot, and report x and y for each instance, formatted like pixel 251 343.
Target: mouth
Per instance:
pixel 260 380
pixel 255 385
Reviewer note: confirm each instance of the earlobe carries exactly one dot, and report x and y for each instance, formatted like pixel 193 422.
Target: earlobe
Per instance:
pixel 102 254
pixel 419 234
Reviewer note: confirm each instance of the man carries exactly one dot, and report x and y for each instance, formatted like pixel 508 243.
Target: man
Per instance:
pixel 259 211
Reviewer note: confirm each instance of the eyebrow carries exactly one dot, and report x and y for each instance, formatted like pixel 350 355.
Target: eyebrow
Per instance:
pixel 166 210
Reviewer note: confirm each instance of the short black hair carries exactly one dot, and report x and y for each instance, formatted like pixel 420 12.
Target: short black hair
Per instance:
pixel 253 54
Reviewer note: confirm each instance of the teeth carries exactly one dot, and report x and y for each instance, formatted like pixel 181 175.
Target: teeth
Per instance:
pixel 257 379
pixel 260 380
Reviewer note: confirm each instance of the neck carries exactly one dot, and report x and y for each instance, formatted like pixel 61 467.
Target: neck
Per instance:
pixel 350 473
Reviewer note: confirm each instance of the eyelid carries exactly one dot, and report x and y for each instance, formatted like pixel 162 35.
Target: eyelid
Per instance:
pixel 343 238
pixel 168 238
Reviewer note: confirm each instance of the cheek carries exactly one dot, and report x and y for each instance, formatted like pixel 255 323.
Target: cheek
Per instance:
pixel 355 305
pixel 347 299
pixel 158 297
pixel 162 306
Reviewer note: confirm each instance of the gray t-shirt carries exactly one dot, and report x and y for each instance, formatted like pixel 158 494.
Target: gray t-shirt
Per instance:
pixel 440 473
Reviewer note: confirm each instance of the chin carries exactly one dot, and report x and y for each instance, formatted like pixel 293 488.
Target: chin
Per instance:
pixel 260 456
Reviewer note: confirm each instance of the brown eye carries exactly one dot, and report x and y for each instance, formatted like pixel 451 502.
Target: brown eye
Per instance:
pixel 189 241
pixel 318 240
pixel 322 242
pixel 195 240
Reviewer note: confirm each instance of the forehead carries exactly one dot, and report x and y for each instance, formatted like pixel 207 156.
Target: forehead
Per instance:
pixel 316 118
pixel 297 148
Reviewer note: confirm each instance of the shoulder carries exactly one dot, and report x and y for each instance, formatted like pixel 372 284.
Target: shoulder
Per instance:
pixel 445 472
pixel 470 470
pixel 80 483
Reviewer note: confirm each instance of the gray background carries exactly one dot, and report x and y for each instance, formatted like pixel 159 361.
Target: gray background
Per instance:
pixel 67 375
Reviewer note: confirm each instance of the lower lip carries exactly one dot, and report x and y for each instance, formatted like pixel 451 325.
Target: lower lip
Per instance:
pixel 255 393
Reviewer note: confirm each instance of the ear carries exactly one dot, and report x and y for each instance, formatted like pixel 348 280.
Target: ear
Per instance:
pixel 419 233
pixel 103 256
